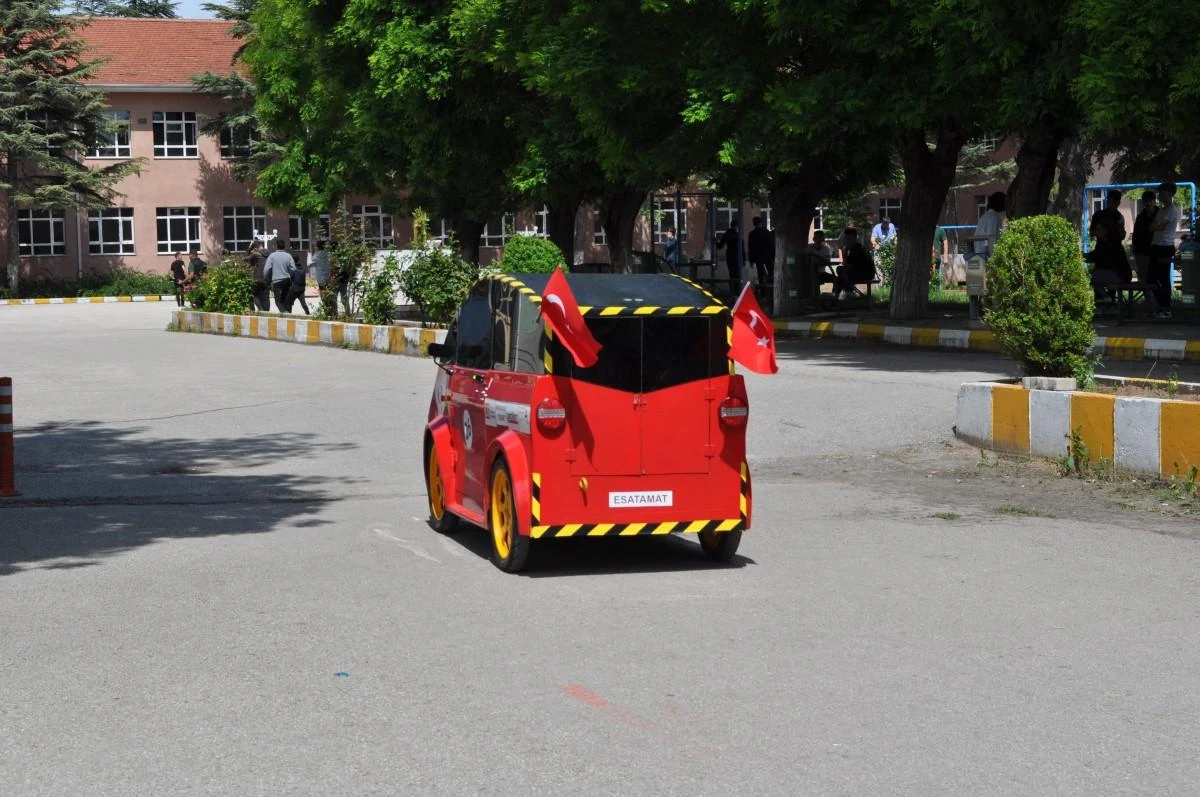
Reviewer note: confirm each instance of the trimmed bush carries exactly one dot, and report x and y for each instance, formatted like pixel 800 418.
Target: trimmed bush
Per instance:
pixel 118 282
pixel 376 288
pixel 1039 298
pixel 226 288
pixel 437 280
pixel 530 255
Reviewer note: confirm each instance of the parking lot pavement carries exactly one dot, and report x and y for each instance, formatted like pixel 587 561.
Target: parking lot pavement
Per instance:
pixel 219 581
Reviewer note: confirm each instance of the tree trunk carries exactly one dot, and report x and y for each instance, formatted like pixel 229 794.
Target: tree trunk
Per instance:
pixel 621 207
pixel 1073 168
pixel 563 209
pixel 468 232
pixel 1029 192
pixel 928 175
pixel 792 202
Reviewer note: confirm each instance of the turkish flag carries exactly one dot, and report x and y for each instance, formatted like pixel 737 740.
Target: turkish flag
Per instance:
pixel 753 335
pixel 562 314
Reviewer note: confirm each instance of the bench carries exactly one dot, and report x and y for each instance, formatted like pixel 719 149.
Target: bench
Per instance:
pixel 1126 294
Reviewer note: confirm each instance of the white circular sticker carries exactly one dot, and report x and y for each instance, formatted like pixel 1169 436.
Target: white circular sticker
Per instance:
pixel 468 431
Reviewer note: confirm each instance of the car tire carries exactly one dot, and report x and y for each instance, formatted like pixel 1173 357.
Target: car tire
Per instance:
pixel 441 519
pixel 720 546
pixel 510 549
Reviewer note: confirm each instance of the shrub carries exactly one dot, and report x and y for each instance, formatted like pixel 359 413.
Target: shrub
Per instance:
pixel 1039 299
pixel 118 282
pixel 525 254
pixel 376 287
pixel 226 288
pixel 437 281
pixel 886 258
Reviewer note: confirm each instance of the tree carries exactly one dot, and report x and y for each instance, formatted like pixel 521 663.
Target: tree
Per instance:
pixel 164 9
pixel 48 119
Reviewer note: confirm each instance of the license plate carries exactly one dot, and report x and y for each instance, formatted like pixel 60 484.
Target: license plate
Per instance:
pixel 641 499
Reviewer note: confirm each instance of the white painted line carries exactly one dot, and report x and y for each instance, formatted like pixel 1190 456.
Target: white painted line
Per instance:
pixel 1165 349
pixel 973 413
pixel 901 335
pixel 844 330
pixel 1098 345
pixel 800 326
pixel 954 338
pixel 1049 422
pixel 1136 429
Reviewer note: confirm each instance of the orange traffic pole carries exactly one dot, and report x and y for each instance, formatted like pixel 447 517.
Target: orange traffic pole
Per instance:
pixel 6 439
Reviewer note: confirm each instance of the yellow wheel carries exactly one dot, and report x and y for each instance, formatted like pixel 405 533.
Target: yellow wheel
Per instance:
pixel 439 517
pixel 510 549
pixel 720 546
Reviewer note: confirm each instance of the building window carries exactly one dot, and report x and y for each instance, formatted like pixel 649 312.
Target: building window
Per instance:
pixel 990 142
pixel 242 223
pixel 376 225
pixel 175 134
pixel 667 217
pixel 764 212
pixel 110 231
pixel 178 229
pixel 599 236
pixel 439 230
pixel 302 232
pixel 541 222
pixel 114 141
pixel 236 141
pixel 42 232
pixel 726 213
pixel 980 205
pixel 890 207
pixel 498 230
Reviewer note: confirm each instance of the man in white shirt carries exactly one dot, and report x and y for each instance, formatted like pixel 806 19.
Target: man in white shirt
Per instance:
pixel 1162 247
pixel 882 233
pixel 990 224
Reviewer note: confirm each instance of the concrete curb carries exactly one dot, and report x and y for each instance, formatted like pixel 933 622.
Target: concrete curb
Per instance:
pixel 1113 348
pixel 407 340
pixel 166 297
pixel 1160 437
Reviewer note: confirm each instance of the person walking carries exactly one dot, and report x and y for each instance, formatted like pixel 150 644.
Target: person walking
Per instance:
pixel 179 277
pixel 261 288
pixel 299 285
pixel 762 252
pixel 1162 247
pixel 279 268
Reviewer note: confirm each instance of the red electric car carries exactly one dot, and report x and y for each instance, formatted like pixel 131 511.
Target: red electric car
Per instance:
pixel 651 439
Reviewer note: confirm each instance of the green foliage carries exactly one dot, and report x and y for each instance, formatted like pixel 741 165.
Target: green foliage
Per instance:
pixel 347 254
pixel 437 281
pixel 1040 302
pixel 226 288
pixel 118 282
pixel 885 257
pixel 163 9
pixel 525 254
pixel 375 287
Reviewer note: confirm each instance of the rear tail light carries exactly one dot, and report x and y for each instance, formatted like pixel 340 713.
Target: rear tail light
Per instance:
pixel 551 416
pixel 733 412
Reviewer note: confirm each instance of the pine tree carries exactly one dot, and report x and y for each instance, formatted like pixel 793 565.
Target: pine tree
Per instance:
pixel 163 9
pixel 48 119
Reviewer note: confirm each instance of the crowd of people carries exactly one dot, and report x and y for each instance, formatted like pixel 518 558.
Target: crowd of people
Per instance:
pixel 1152 244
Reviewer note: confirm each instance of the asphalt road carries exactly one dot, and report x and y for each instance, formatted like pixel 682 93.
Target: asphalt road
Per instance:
pixel 219 581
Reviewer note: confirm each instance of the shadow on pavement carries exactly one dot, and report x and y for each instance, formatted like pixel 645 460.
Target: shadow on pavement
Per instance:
pixel 605 555
pixel 91 491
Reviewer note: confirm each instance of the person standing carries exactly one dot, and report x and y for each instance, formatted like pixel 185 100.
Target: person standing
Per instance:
pixel 882 233
pixel 322 271
pixel 671 248
pixel 279 268
pixel 197 268
pixel 1162 247
pixel 179 277
pixel 261 289
pixel 990 224
pixel 762 252
pixel 299 285
pixel 735 255
pixel 1143 234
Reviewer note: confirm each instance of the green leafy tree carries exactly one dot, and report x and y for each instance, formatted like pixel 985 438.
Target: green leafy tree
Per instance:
pixel 165 9
pixel 48 119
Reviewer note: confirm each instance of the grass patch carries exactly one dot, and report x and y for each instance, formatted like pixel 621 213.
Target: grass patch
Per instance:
pixel 1012 509
pixel 946 515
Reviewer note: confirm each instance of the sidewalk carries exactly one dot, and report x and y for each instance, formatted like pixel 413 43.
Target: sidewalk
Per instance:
pixel 1133 339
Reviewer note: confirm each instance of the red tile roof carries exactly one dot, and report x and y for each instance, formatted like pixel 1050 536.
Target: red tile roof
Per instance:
pixel 160 52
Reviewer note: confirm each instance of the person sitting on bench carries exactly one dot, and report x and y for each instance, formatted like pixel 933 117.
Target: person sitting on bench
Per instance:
pixel 857 266
pixel 1110 264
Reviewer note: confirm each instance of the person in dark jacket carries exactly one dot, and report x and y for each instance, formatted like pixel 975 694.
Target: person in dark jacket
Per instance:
pixel 279 269
pixel 762 251
pixel 1143 235
pixel 857 266
pixel 735 255
pixel 262 291
pixel 179 277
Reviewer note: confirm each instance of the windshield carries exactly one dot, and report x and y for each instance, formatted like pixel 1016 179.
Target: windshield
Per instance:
pixel 647 353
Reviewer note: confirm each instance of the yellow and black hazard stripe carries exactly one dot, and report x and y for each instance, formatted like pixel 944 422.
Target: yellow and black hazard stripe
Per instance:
pixel 538 531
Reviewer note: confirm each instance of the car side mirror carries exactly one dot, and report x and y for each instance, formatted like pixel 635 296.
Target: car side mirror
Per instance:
pixel 440 351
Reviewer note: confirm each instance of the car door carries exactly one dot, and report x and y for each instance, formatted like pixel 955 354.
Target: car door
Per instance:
pixel 468 392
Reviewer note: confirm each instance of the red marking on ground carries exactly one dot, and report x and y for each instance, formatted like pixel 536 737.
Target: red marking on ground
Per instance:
pixel 624 715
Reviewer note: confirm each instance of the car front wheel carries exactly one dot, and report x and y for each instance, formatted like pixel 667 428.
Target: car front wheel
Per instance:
pixel 440 518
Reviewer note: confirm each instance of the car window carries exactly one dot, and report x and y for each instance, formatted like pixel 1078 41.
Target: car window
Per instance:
pixel 474 348
pixel 504 304
pixel 530 337
pixel 644 354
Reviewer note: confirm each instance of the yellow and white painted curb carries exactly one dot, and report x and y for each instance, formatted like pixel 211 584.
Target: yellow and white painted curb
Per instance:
pixel 1113 348
pixel 1160 437
pixel 87 300
pixel 394 339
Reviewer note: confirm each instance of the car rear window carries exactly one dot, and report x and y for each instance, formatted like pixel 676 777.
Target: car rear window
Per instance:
pixel 641 354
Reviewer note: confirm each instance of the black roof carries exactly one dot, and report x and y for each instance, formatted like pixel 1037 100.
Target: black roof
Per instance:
pixel 626 290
